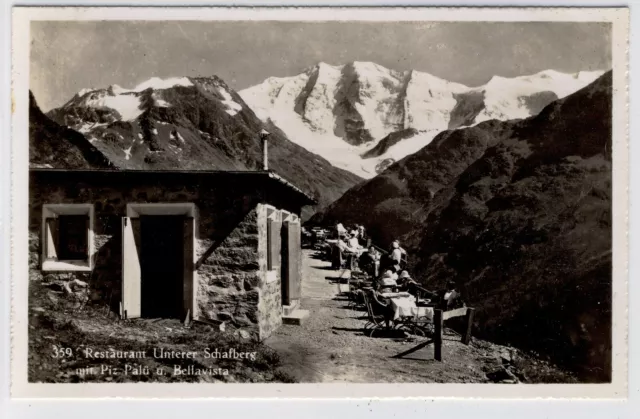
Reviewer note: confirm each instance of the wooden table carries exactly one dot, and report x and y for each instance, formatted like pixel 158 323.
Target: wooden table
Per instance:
pixel 406 307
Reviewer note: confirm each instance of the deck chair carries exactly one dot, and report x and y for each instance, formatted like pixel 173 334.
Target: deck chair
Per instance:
pixel 356 298
pixel 378 306
pixel 350 290
pixel 357 283
pixel 374 321
pixel 418 326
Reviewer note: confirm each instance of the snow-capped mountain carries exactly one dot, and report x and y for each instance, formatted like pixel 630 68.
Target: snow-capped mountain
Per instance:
pixel 362 117
pixel 181 123
pixel 116 103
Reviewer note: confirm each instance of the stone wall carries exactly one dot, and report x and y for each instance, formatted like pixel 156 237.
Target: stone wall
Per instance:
pixel 235 285
pixel 229 277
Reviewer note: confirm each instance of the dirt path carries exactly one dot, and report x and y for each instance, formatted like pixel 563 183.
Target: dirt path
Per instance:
pixel 331 347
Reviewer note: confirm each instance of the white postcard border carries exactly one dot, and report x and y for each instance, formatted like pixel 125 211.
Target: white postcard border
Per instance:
pixel 20 386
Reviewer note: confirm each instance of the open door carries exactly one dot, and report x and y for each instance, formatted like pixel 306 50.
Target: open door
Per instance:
pixel 292 262
pixel 131 273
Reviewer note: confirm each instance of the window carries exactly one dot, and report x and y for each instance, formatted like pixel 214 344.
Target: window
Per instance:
pixel 67 237
pixel 73 237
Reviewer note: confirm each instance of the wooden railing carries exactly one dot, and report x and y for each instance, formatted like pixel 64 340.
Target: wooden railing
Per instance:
pixel 438 320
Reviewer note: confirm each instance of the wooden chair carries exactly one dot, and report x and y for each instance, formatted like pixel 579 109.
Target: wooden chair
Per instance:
pixel 419 325
pixel 378 306
pixel 375 321
pixel 356 299
pixel 356 282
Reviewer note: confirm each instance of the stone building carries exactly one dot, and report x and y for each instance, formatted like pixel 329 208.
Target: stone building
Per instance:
pixel 217 246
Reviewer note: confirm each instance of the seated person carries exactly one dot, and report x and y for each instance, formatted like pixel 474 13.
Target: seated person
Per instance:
pixel 341 252
pixel 387 282
pixel 389 263
pixel 450 297
pixel 352 251
pixel 370 262
pixel 396 253
pixel 361 234
pixel 378 304
pixel 340 230
pixel 354 244
pixel 406 283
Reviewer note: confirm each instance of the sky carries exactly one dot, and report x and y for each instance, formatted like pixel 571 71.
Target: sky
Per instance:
pixel 67 56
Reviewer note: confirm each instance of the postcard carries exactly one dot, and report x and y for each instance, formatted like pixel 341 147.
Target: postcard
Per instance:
pixel 329 202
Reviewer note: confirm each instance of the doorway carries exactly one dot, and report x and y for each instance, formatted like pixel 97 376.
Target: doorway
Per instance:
pixel 168 244
pixel 291 271
pixel 161 265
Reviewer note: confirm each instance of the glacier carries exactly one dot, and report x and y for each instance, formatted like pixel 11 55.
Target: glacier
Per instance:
pixel 341 112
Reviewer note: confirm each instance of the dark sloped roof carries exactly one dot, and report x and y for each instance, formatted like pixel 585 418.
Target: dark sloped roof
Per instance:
pixel 262 174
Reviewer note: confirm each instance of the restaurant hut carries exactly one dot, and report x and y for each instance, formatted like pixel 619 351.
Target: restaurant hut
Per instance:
pixel 219 246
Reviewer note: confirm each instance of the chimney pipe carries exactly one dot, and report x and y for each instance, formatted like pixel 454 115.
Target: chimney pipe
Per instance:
pixel 264 134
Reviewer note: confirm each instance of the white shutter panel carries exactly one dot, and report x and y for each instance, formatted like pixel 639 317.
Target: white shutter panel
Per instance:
pixel 131 272
pixel 51 238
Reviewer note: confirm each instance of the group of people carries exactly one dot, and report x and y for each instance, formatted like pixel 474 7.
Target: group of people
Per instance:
pixel 447 298
pixel 373 261
pixel 388 270
pixel 394 277
pixel 357 232
pixel 349 247
pixel 353 247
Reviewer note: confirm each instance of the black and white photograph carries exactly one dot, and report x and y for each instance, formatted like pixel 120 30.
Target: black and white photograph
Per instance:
pixel 291 201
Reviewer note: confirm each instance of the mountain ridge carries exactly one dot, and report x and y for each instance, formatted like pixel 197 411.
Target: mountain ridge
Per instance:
pixel 192 123
pixel 342 112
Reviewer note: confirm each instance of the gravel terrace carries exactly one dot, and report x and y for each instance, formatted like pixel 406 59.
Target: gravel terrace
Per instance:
pixel 330 345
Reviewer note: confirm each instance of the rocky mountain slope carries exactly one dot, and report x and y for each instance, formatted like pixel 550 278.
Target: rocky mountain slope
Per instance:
pixel 54 145
pixel 344 112
pixel 519 214
pixel 189 123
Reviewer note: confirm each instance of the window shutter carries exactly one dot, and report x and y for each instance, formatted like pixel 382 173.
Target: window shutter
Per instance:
pixel 88 230
pixel 294 265
pixel 51 238
pixel 273 243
